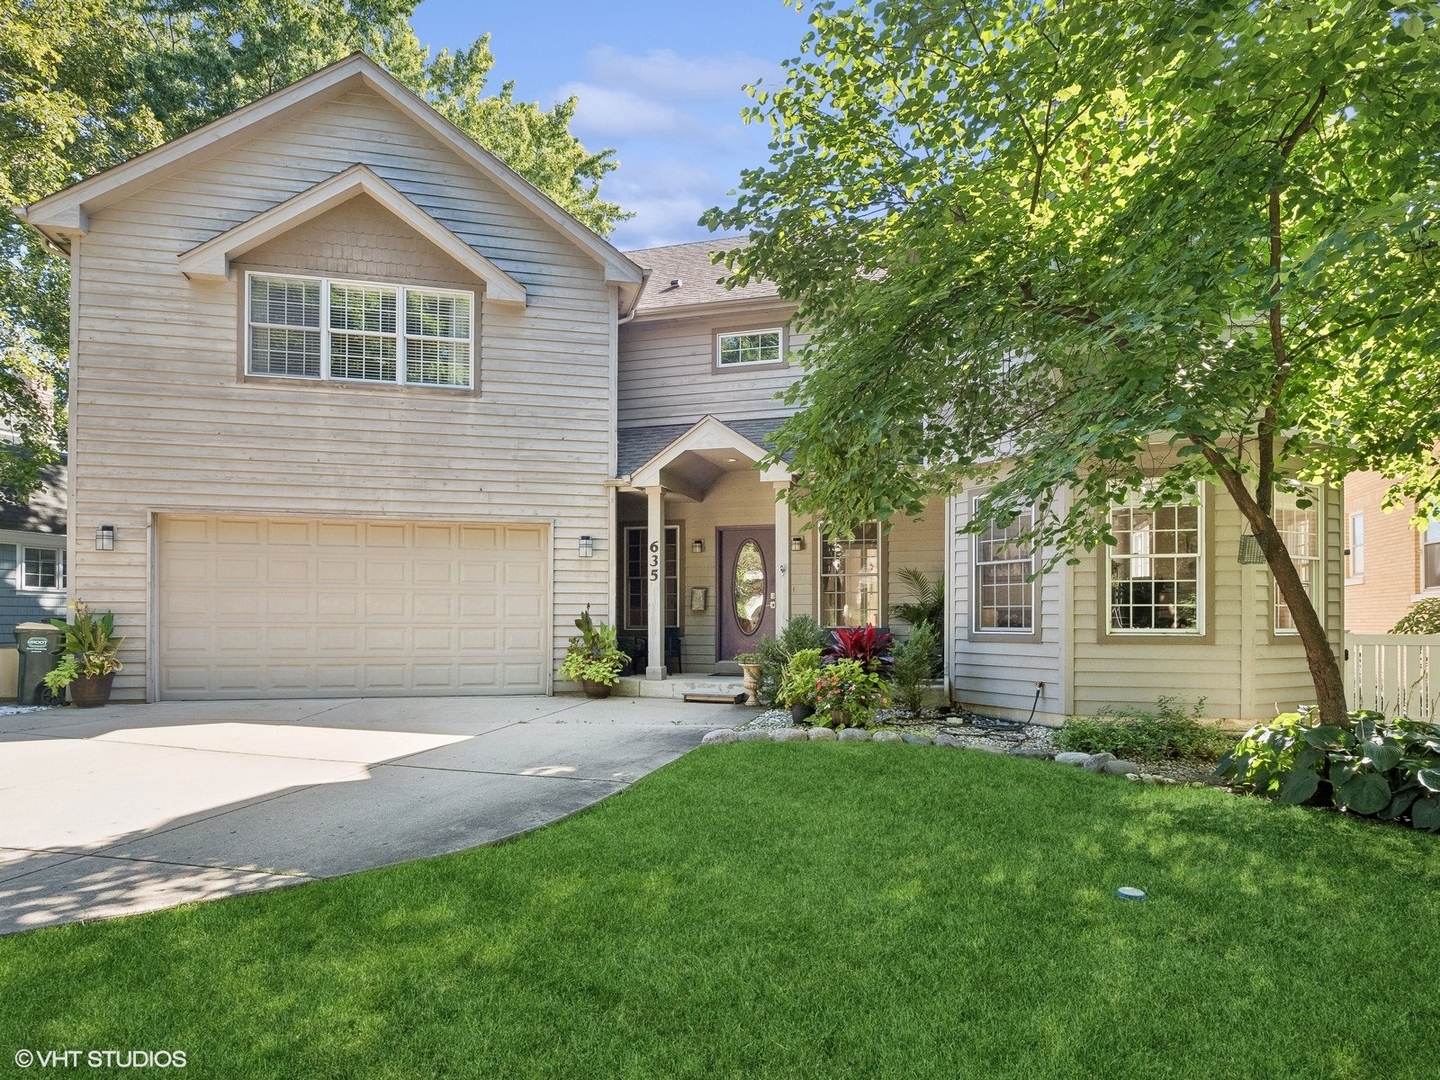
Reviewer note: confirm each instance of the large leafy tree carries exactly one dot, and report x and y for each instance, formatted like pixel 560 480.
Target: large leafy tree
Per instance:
pixel 1062 246
pixel 86 84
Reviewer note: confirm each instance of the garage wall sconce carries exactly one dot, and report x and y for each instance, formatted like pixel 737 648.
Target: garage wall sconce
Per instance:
pixel 105 538
pixel 587 547
pixel 697 546
pixel 797 543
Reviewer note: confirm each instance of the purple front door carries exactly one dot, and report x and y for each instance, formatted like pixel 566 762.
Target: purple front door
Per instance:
pixel 746 596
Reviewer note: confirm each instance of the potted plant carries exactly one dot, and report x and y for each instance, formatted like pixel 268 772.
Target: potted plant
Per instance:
pixel 797 686
pixel 90 660
pixel 750 675
pixel 594 659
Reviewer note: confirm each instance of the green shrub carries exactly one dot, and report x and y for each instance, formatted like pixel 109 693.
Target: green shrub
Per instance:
pixel 798 686
pixel 846 695
pixel 1422 618
pixel 1389 770
pixel 801 632
pixel 1168 733
pixel 911 666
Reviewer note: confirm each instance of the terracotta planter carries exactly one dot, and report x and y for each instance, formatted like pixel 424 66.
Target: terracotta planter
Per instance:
pixel 799 713
pixel 595 689
pixel 91 693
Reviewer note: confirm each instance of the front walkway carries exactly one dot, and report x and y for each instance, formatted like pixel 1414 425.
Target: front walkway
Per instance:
pixel 136 807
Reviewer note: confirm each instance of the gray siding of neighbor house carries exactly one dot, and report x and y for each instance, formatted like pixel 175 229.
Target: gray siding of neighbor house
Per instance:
pixel 18 605
pixel 162 421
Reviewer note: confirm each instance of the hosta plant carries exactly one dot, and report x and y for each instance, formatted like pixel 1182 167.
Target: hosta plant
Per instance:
pixel 1368 765
pixel 846 695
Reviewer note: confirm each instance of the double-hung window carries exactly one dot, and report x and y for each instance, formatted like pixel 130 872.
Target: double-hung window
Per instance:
pixel 350 331
pixel 1155 568
pixel 42 569
pixel 1300 530
pixel 1355 568
pixel 1430 556
pixel 1004 593
pixel 850 578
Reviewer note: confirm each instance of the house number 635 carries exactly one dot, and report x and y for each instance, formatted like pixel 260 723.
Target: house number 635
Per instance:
pixel 655 560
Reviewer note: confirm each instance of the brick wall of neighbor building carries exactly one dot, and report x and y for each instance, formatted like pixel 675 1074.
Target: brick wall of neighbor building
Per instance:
pixel 1381 590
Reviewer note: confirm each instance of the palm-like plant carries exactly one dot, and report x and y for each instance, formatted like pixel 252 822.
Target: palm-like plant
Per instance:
pixel 927 599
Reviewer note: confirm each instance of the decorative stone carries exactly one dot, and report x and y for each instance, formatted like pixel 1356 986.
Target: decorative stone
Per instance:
pixel 886 736
pixel 1071 757
pixel 755 735
pixel 1096 762
pixel 947 740
pixel 789 734
pixel 1120 767
pixel 915 740
pixel 854 734
pixel 724 735
pixel 1029 751
pixel 985 748
pixel 821 734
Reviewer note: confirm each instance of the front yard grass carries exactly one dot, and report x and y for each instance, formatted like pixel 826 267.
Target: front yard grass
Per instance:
pixel 805 910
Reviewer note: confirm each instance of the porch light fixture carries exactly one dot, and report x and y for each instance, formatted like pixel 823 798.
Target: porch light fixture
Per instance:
pixel 797 543
pixel 697 546
pixel 587 547
pixel 105 538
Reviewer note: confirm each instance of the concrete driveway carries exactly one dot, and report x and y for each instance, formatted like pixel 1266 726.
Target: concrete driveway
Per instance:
pixel 135 807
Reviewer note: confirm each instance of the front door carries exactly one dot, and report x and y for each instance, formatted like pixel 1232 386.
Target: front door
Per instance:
pixel 746 588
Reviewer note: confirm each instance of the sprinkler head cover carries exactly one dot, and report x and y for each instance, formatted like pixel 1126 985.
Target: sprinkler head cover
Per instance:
pixel 1128 893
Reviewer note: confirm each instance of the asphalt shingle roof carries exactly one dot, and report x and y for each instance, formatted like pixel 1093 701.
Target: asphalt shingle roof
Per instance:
pixel 636 446
pixel 690 265
pixel 45 512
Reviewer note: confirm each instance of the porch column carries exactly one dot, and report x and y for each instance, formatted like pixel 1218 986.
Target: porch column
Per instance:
pixel 655 583
pixel 783 555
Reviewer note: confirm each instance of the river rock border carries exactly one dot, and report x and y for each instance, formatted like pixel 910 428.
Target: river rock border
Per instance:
pixel 1108 764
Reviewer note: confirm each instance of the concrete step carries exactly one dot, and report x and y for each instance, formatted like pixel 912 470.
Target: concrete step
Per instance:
pixel 677 687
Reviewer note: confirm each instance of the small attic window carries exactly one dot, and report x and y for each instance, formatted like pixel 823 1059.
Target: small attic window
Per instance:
pixel 750 348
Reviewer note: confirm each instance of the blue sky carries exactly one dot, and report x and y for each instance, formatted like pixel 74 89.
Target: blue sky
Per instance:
pixel 659 82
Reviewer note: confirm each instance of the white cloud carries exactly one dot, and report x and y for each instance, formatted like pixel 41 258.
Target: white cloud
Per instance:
pixel 620 114
pixel 667 198
pixel 666 73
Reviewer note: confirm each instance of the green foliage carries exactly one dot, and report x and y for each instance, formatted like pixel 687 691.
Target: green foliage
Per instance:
pixel 1422 618
pixel 66 671
pixel 801 632
pixel 90 640
pixel 1367 765
pixel 1028 236
pixel 912 666
pixel 798 684
pixel 1170 732
pixel 846 695
pixel 927 598
pixel 594 654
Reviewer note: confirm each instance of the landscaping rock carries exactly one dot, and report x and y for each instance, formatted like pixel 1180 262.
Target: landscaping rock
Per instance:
pixel 1120 767
pixel 1096 762
pixel 821 734
pixel 886 736
pixel 987 748
pixel 755 735
pixel 1071 757
pixel 947 740
pixel 725 735
pixel 789 734
pixel 854 734
pixel 916 740
pixel 1030 752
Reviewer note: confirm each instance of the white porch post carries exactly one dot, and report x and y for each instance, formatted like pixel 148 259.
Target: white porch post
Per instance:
pixel 783 555
pixel 655 583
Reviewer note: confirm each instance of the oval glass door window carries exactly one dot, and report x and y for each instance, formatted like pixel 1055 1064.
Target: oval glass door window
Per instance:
pixel 749 587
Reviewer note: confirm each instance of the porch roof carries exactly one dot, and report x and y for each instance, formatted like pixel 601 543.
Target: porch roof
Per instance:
pixel 687 459
pixel 637 446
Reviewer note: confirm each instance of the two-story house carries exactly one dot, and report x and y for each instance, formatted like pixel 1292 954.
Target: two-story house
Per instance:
pixel 356 410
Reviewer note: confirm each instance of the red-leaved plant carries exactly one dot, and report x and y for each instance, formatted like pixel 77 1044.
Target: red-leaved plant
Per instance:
pixel 865 644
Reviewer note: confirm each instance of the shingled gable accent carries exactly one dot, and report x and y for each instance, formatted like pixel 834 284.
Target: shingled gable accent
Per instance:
pixel 211 260
pixel 66 213
pixel 707 434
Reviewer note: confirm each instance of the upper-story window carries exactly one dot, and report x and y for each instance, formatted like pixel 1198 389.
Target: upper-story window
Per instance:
pixel 1155 568
pixel 1004 592
pixel 316 328
pixel 42 569
pixel 749 348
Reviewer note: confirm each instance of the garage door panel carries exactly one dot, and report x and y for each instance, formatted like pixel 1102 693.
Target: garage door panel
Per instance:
pixel 254 607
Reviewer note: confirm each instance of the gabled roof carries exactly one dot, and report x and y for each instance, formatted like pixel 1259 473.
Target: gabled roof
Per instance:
pixel 66 213
pixel 706 434
pixel 212 258
pixel 699 279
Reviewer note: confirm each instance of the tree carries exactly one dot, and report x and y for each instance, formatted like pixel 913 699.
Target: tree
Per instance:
pixel 1029 235
pixel 87 84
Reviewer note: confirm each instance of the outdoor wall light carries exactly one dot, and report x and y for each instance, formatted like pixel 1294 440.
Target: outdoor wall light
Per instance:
pixel 105 538
pixel 797 543
pixel 697 546
pixel 587 547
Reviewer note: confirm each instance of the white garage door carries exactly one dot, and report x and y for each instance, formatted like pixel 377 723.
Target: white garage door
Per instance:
pixel 286 607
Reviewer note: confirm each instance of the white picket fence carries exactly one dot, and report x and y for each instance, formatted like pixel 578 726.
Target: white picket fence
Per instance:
pixel 1396 674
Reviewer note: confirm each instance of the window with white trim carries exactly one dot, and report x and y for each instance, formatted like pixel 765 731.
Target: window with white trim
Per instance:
pixel 850 578
pixel 1154 570
pixel 637 599
pixel 1356 566
pixel 1430 556
pixel 42 569
pixel 749 347
pixel 1004 594
pixel 354 331
pixel 1300 530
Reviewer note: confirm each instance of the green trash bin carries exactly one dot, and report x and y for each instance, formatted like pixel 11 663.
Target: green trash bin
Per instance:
pixel 39 647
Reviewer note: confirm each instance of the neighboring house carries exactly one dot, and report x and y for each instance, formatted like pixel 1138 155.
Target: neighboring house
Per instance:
pixel 33 561
pixel 370 415
pixel 1388 563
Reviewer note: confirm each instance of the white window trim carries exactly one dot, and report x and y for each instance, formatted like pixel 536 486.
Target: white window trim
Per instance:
pixel 976 604
pixel 778 331
pixel 679 574
pixel 1202 559
pixel 1425 590
pixel 1356 565
pixel 1317 570
pixel 61 564
pixel 820 575
pixel 401 337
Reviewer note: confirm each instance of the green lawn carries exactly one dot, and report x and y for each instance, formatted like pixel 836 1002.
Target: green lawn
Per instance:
pixel 807 910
